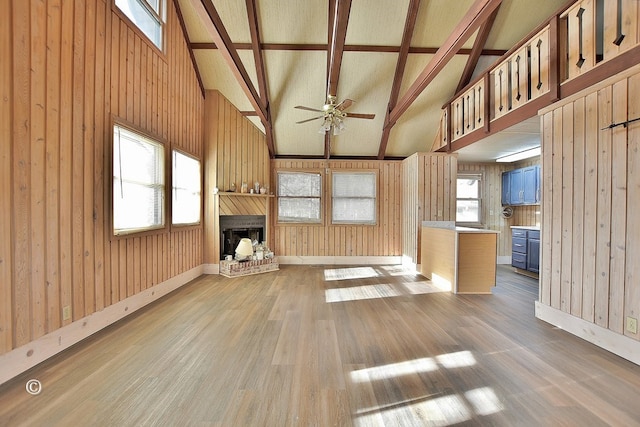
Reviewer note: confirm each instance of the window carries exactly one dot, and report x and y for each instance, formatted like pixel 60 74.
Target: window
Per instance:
pixel 185 206
pixel 468 203
pixel 299 197
pixel 147 15
pixel 138 182
pixel 354 198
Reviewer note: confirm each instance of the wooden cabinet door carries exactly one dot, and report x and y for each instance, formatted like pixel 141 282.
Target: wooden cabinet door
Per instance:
pixel 505 189
pixel 530 185
pixel 516 187
pixel 533 255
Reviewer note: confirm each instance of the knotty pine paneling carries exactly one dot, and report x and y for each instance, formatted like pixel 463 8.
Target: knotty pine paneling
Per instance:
pixel 326 239
pixel 240 146
pixel 66 69
pixel 6 174
pixel 235 152
pixel 591 184
pixel 428 194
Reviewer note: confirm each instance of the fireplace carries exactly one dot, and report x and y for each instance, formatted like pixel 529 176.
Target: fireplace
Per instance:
pixel 235 227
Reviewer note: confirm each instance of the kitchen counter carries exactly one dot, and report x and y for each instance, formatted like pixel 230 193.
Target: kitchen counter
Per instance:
pixel 526 227
pixel 460 258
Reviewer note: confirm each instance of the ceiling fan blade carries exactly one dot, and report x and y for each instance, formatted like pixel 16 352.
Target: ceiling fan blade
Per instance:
pixel 344 104
pixel 360 116
pixel 308 120
pixel 308 108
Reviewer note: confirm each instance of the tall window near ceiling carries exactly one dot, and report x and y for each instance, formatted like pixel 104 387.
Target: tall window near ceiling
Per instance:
pixel 353 198
pixel 469 199
pixel 185 204
pixel 147 15
pixel 138 182
pixel 299 197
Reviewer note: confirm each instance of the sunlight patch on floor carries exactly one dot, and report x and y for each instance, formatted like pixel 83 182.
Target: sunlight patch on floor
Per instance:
pixel 439 411
pixel 423 287
pixel 399 270
pixel 360 293
pixel 350 273
pixel 436 409
pixel 484 401
pixel 441 282
pixel 410 367
pixel 383 290
pixel 460 359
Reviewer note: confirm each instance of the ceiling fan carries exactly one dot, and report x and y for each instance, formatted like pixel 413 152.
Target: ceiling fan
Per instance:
pixel 334 114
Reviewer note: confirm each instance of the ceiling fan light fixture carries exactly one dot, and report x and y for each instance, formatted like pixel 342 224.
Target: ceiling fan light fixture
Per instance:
pixel 326 126
pixel 333 115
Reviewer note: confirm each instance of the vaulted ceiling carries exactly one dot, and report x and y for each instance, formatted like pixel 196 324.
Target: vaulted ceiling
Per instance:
pixel 398 59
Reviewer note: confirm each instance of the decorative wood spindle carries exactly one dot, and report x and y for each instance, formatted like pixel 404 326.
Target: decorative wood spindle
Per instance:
pixel 509 84
pixel 619 35
pixel 518 96
pixel 468 112
pixel 480 100
pixel 472 116
pixel 581 58
pixel 500 89
pixel 538 46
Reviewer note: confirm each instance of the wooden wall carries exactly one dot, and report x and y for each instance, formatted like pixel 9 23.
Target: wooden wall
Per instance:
pixel 382 239
pixel 492 203
pixel 591 195
pixel 67 68
pixel 428 194
pixel 235 151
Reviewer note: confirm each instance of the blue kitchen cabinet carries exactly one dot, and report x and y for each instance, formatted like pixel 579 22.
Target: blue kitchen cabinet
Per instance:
pixel 521 186
pixel 505 189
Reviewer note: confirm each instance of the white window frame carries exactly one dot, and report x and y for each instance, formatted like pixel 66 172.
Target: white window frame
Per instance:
pixel 471 176
pixel 302 219
pixel 156 13
pixel 350 196
pixel 181 184
pixel 125 175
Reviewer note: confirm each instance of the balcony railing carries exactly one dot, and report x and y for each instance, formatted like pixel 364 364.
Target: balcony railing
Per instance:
pixel 583 36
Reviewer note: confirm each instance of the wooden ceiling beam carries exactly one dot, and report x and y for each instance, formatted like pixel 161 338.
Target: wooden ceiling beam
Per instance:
pixel 407 35
pixel 475 16
pixel 185 34
pixel 213 23
pixel 347 48
pixel 254 29
pixel 339 11
pixel 339 19
pixel 476 50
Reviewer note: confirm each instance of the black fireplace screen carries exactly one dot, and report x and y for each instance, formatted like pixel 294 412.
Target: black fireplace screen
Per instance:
pixel 235 227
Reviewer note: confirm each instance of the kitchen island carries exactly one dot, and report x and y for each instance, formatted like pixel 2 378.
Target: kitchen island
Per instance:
pixel 460 258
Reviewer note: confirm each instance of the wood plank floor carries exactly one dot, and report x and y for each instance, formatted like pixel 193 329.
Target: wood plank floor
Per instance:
pixel 331 346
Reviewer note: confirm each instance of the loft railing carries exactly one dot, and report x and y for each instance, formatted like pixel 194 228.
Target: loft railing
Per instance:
pixel 551 63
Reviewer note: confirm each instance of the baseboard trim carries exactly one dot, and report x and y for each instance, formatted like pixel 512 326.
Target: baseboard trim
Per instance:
pixel 340 260
pixel 616 343
pixel 504 260
pixel 23 358
pixel 211 269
